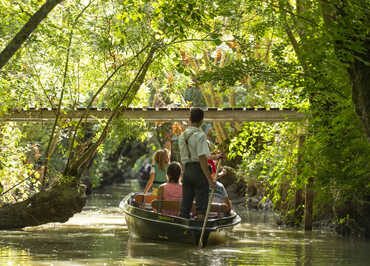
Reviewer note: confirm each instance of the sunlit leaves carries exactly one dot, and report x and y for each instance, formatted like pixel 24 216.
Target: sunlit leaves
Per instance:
pixel 175 18
pixel 16 163
pixel 269 155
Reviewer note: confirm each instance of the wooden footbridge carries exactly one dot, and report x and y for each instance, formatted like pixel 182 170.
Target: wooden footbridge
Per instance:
pixel 157 114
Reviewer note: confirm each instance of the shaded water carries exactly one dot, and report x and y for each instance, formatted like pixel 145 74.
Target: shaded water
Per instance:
pixel 98 236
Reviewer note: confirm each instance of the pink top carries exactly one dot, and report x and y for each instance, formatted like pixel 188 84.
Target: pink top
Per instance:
pixel 172 191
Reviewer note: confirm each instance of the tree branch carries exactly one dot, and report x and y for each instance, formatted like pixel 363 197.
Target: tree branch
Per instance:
pixel 49 149
pixel 26 31
pixel 78 166
pixel 70 154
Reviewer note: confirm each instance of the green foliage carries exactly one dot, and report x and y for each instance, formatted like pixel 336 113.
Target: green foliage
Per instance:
pixel 267 54
pixel 16 165
pixel 268 154
pixel 175 18
pixel 122 132
pixel 236 71
pixel 341 154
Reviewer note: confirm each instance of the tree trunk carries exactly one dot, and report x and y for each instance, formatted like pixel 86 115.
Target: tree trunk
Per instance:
pixel 308 206
pixel 298 210
pixel 360 76
pixel 335 15
pixel 57 204
pixel 26 31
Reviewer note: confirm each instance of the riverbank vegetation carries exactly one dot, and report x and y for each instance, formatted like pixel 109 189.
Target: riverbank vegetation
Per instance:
pixel 313 56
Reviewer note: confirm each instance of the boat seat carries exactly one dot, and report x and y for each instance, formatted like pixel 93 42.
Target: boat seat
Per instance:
pixel 171 207
pixel 217 210
pixel 144 200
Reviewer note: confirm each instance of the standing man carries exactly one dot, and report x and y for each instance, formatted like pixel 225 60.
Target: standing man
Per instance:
pixel 197 177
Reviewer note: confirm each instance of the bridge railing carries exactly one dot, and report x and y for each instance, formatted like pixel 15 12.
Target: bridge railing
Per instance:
pixel 158 114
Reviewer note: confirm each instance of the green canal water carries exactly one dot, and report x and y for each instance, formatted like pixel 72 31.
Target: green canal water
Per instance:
pixel 98 236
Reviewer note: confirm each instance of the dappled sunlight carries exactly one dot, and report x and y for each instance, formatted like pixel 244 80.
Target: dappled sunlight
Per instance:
pixel 86 221
pixel 104 220
pixel 7 252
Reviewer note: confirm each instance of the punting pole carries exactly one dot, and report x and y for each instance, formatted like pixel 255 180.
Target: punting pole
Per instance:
pixel 209 205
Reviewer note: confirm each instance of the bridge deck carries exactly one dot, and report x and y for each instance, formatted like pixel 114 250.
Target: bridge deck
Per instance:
pixel 159 114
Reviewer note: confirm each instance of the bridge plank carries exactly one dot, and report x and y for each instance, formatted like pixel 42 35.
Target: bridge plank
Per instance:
pixel 159 114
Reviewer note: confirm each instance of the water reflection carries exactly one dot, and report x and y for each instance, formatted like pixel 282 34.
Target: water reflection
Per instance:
pixel 99 236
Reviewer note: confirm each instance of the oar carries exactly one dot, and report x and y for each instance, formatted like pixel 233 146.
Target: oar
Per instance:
pixel 209 205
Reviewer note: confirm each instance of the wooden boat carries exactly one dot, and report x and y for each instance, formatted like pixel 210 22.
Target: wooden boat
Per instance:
pixel 146 218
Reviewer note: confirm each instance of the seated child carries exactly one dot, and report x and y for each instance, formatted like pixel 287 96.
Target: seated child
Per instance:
pixel 172 190
pixel 158 171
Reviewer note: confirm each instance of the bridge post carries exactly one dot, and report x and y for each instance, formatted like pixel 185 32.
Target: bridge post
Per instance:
pixel 308 206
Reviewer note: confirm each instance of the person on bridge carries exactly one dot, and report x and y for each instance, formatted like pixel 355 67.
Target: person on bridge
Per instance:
pixel 197 177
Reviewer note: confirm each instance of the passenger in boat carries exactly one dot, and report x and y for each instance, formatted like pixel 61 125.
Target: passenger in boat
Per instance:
pixel 220 195
pixel 158 171
pixel 172 190
pixel 197 177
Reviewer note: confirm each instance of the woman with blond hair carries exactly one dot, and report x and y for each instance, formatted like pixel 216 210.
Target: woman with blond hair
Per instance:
pixel 158 171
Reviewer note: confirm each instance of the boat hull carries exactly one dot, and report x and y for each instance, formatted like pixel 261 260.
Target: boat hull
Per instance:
pixel 151 225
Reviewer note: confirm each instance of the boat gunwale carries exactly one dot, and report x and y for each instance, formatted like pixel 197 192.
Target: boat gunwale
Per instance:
pixel 174 223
